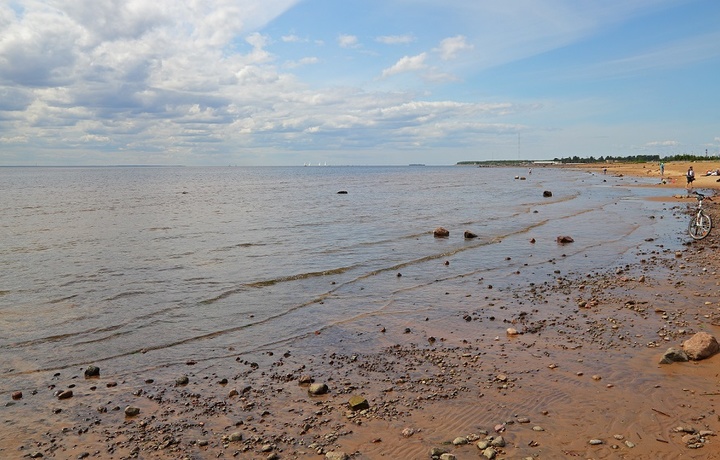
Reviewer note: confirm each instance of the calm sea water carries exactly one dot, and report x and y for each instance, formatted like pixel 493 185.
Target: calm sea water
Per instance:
pixel 99 264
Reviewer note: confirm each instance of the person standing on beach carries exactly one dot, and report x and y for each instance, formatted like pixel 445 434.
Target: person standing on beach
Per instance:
pixel 690 177
pixel 662 169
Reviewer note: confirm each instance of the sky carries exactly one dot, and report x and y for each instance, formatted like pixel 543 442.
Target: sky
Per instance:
pixel 355 82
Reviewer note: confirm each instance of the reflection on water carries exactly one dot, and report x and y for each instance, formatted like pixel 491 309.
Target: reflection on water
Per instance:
pixel 105 264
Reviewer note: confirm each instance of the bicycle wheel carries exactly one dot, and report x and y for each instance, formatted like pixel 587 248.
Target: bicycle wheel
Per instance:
pixel 700 226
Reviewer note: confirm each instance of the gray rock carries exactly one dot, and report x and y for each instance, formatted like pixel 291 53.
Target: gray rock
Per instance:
pixel 437 452
pixel 131 411
pixel 460 441
pixel 673 355
pixel 180 381
pixel 489 453
pixel 336 456
pixel 447 457
pixel 483 444
pixel 498 442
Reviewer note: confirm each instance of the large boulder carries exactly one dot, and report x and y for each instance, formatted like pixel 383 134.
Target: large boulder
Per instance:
pixel 700 346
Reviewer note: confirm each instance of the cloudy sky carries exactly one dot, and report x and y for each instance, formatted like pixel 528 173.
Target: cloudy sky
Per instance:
pixel 288 82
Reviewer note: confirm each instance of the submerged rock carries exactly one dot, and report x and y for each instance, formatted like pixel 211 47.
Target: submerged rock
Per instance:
pixel 441 232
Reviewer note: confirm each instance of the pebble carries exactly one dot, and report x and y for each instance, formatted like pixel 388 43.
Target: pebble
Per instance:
pixel 65 394
pixel 17 395
pixel 437 451
pixel 538 428
pixel 92 371
pixel 337 456
pixel 460 441
pixel 317 389
pixel 184 380
pixel 131 411
pixel 447 456
pixel 595 442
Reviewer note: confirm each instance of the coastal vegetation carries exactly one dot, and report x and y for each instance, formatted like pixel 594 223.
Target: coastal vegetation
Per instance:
pixel 589 160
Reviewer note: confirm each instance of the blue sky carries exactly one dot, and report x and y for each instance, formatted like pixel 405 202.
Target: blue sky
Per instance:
pixel 289 82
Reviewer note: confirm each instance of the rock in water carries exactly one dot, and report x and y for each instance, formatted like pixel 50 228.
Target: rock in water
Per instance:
pixel 469 235
pixel 547 193
pixel 441 232
pixel 565 239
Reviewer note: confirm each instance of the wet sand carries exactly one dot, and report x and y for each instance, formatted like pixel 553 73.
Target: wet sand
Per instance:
pixel 583 366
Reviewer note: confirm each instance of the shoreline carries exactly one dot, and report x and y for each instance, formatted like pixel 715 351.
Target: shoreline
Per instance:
pixel 590 373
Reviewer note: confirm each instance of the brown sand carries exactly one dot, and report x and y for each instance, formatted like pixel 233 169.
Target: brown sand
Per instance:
pixel 588 373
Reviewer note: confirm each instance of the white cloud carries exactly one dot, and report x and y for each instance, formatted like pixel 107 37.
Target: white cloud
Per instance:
pixel 395 39
pixel 347 41
pixel 189 76
pixel 301 62
pixel 406 64
pixel 663 144
pixel 450 47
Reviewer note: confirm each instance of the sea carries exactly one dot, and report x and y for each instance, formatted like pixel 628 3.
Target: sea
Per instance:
pixel 133 268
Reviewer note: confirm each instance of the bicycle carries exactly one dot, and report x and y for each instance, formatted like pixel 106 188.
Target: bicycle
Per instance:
pixel 701 223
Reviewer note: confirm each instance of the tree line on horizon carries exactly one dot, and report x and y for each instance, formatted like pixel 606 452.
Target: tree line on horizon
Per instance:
pixel 592 159
pixel 632 159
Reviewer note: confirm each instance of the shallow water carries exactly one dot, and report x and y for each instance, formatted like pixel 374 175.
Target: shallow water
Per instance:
pixel 101 264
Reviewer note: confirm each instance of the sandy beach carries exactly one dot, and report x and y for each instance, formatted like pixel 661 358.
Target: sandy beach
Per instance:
pixel 583 384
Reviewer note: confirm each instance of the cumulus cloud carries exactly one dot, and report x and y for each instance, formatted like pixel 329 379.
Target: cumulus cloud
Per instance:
pixel 347 41
pixel 406 64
